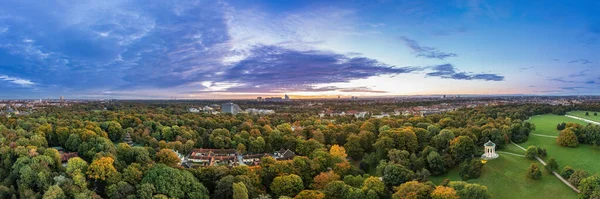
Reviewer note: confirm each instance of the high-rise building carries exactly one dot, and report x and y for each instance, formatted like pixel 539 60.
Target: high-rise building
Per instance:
pixel 286 97
pixel 230 108
pixel 62 99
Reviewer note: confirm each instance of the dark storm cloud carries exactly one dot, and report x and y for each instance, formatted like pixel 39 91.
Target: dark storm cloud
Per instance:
pixel 270 65
pixel 424 51
pixel 448 71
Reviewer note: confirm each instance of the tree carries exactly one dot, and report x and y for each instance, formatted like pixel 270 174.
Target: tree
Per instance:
pixel 324 178
pixel 436 163
pixel 54 192
pixel 224 188
pixel 441 192
pixel 174 183
pixel 240 191
pixel 561 126
pixel 595 114
pixel 414 190
pixel 551 165
pixel 567 172
pixel 394 174
pixel 587 114
pixel 470 169
pixel 534 172
pixel 167 157
pixel 101 169
pixel 567 138
pixel 462 148
pixel 120 190
pixel 577 176
pixel 590 187
pixel 288 185
pixel 310 194
pixel 466 190
pixel 338 151
pixel 76 163
pixel 145 191
pixel 531 152
pixel 373 184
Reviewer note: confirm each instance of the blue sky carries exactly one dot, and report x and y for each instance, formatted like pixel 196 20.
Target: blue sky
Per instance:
pixel 243 49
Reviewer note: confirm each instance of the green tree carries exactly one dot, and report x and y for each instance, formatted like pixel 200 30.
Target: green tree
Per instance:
pixel 462 148
pixel 577 176
pixel 551 165
pixel 534 172
pixel 414 190
pixel 394 174
pixel 466 190
pixel 145 191
pixel 76 163
pixel 567 172
pixel 288 185
pixel 373 184
pixel 470 169
pixel 120 190
pixel 240 191
pixel 167 157
pixel 567 138
pixel 590 187
pixel 54 192
pixel 174 183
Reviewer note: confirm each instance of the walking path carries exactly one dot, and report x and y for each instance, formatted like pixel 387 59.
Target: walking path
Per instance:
pixel 583 119
pixel 549 136
pixel 553 172
pixel 511 153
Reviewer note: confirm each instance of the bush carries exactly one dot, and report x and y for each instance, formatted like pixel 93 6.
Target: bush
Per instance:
pixel 577 176
pixel 534 172
pixel 595 114
pixel 587 114
pixel 551 165
pixel 567 172
pixel 534 151
pixel 561 126
pixel 470 169
pixel 567 138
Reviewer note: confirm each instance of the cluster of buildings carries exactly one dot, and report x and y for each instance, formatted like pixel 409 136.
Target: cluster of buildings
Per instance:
pixel 273 99
pixel 230 157
pixel 229 108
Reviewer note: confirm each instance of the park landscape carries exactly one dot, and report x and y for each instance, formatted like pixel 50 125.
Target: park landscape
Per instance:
pixel 508 171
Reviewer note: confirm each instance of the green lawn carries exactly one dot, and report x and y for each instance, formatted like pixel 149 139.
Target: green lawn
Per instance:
pixel 582 157
pixel 581 114
pixel 546 124
pixel 505 178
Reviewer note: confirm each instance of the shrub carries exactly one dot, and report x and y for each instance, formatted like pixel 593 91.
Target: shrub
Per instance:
pixel 470 169
pixel 534 172
pixel 567 172
pixel 567 138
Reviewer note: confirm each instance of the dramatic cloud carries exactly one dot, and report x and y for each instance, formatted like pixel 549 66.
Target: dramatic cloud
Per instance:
pixel 424 51
pixel 447 71
pixel 17 81
pixel 270 67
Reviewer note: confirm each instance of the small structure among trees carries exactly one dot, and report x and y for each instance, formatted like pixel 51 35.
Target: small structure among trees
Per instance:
pixel 490 151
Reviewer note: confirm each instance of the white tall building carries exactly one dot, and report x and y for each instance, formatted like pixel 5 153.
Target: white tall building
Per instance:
pixel 230 108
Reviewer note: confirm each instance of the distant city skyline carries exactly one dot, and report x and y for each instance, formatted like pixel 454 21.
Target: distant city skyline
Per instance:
pixel 305 49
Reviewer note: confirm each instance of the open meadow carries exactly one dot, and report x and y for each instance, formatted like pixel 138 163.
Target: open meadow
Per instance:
pixel 581 114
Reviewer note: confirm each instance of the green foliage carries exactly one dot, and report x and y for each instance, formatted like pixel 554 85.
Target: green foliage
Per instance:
pixel 240 191
pixel 551 165
pixel 534 172
pixel 577 176
pixel 590 187
pixel 470 169
pixel 288 185
pixel 567 138
pixel 174 183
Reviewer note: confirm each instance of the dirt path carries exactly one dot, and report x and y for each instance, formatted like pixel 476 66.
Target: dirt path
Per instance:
pixel 554 172
pixel 548 136
pixel 510 153
pixel 583 119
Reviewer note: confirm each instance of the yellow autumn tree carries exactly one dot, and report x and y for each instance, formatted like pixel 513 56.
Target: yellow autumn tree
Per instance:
pixel 338 151
pixel 101 168
pixel 442 192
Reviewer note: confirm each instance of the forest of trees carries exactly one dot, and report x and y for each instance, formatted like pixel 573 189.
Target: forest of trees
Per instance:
pixel 338 157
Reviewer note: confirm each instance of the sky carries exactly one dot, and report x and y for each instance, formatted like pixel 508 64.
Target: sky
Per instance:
pixel 215 49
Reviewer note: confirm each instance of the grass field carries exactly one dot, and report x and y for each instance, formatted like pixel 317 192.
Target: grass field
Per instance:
pixel 581 114
pixel 583 156
pixel 546 124
pixel 505 178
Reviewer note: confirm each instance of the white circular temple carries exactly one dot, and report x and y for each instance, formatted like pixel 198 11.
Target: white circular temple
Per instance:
pixel 490 151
